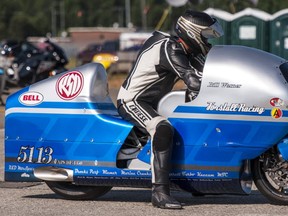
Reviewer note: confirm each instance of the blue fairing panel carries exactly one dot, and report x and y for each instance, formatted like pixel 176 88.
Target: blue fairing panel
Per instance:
pixel 223 141
pixel 283 148
pixel 48 128
pixel 76 127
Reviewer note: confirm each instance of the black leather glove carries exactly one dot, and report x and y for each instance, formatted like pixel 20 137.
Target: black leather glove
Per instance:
pixel 190 95
pixel 198 61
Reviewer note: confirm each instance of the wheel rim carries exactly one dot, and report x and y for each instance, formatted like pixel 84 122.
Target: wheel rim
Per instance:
pixel 274 173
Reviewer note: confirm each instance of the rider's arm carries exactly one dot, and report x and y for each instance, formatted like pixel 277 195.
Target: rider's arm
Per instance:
pixel 197 61
pixel 179 62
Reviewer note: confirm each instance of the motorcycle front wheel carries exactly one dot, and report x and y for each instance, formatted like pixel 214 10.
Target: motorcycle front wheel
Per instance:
pixel 71 191
pixel 270 175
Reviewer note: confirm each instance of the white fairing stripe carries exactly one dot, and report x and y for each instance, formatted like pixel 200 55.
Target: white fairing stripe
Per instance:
pixel 226 117
pixel 59 111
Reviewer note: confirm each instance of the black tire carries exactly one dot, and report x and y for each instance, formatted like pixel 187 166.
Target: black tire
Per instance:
pixel 270 175
pixel 71 191
pixel 198 194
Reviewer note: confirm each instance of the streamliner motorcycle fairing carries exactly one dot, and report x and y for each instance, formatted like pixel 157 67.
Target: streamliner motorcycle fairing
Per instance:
pixel 65 130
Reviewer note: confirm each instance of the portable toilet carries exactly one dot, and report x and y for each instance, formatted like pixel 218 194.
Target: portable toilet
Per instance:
pixel 279 33
pixel 250 27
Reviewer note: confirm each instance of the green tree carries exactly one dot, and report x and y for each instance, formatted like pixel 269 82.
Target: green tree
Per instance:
pixel 22 18
pixel 272 6
pixel 20 26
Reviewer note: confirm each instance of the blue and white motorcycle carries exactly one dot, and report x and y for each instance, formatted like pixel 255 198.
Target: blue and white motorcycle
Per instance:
pixel 65 131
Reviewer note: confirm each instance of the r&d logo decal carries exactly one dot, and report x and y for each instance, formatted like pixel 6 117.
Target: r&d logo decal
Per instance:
pixel 70 85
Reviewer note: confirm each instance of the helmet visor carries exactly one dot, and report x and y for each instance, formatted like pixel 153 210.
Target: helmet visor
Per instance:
pixel 213 31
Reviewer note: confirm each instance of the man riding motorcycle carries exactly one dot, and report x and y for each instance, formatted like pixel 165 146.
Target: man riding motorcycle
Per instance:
pixel 162 60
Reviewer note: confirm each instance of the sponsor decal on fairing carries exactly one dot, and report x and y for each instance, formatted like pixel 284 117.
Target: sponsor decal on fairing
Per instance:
pixel 234 107
pixel 70 85
pixel 276 102
pixel 276 113
pixel 31 98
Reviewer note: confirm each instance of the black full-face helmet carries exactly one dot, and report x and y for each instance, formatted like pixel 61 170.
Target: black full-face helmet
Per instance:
pixel 195 28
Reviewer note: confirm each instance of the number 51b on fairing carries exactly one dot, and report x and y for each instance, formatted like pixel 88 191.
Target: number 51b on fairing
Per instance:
pixel 66 131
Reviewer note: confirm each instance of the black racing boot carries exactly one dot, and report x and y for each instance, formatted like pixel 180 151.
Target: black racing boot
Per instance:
pixel 161 198
pixel 162 149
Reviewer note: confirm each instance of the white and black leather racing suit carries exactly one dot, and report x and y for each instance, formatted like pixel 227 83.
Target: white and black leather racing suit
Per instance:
pixel 160 63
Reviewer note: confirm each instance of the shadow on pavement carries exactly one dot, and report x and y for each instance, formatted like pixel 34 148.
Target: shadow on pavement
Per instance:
pixel 18 184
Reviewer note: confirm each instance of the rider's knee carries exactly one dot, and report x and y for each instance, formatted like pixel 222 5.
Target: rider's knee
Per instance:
pixel 163 136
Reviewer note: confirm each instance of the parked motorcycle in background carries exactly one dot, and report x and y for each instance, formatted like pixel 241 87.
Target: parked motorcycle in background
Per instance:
pixel 5 62
pixel 16 54
pixel 49 62
pixel 22 63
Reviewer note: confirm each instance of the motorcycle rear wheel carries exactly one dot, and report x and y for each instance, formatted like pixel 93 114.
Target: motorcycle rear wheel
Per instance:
pixel 71 191
pixel 270 175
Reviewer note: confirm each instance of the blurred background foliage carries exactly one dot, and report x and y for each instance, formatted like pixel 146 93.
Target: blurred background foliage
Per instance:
pixel 22 18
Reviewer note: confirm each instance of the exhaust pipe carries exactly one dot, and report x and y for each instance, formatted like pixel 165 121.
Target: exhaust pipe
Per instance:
pixel 50 173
